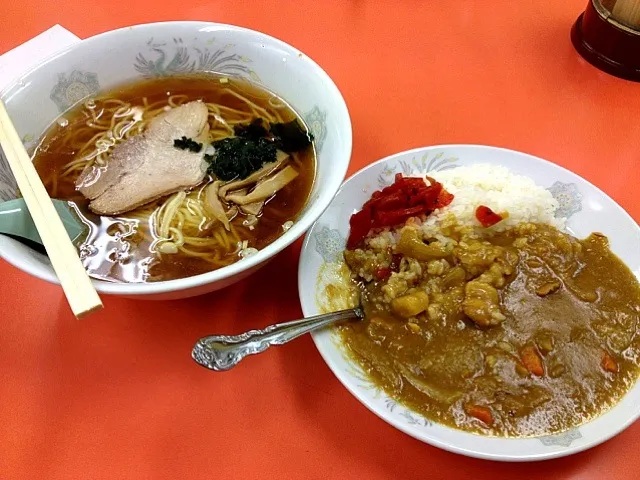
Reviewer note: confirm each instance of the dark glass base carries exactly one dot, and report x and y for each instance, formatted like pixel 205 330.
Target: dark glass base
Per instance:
pixel 607 46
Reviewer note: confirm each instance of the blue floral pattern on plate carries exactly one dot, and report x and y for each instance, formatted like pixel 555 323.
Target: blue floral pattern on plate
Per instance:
pixel 569 198
pixel 390 404
pixel 563 439
pixel 329 244
pixel 426 163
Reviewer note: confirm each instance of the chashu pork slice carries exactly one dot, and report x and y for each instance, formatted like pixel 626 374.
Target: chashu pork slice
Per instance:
pixel 149 166
pixel 190 120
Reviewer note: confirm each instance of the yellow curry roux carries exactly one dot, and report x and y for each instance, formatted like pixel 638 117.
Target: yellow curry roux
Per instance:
pixel 528 332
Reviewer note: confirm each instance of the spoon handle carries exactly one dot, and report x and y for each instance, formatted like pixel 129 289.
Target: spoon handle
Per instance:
pixel 222 352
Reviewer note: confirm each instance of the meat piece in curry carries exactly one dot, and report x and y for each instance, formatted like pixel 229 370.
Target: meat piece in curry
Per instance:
pixel 525 332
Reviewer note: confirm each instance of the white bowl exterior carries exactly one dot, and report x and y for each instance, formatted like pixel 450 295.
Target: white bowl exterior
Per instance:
pixel 173 48
pixel 588 209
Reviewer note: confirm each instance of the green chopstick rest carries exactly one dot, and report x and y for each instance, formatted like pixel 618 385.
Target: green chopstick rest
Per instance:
pixel 16 221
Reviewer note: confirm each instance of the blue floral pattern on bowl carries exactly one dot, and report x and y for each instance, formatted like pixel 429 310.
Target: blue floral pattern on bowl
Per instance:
pixel 426 163
pixel 569 198
pixel 316 121
pixel 8 186
pixel 73 87
pixel 173 58
pixel 329 244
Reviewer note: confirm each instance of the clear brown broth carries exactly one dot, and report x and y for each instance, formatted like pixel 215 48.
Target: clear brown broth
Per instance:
pixel 54 152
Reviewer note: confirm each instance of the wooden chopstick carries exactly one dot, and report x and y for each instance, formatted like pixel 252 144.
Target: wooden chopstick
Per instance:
pixel 82 297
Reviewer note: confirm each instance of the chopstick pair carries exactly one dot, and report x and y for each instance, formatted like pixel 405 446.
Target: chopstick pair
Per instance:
pixel 76 284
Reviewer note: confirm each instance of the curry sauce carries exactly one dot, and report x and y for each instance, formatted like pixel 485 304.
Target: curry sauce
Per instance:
pixel 526 332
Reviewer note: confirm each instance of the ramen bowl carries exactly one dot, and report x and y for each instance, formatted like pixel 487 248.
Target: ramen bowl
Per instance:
pixel 37 99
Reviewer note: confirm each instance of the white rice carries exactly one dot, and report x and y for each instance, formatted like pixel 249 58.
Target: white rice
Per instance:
pixel 493 186
pixel 499 189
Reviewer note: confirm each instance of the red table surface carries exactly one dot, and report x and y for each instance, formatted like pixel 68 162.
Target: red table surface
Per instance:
pixel 118 396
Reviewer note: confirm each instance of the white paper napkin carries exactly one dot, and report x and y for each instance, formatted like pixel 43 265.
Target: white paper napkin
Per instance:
pixel 26 56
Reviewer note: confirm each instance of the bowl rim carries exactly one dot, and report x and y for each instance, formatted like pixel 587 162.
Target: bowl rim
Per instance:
pixel 290 236
pixel 393 421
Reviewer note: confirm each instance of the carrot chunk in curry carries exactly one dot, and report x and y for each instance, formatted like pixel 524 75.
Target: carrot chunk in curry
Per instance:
pixel 608 363
pixel 481 413
pixel 532 360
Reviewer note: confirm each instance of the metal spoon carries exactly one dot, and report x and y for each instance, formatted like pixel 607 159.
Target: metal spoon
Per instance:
pixel 223 352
